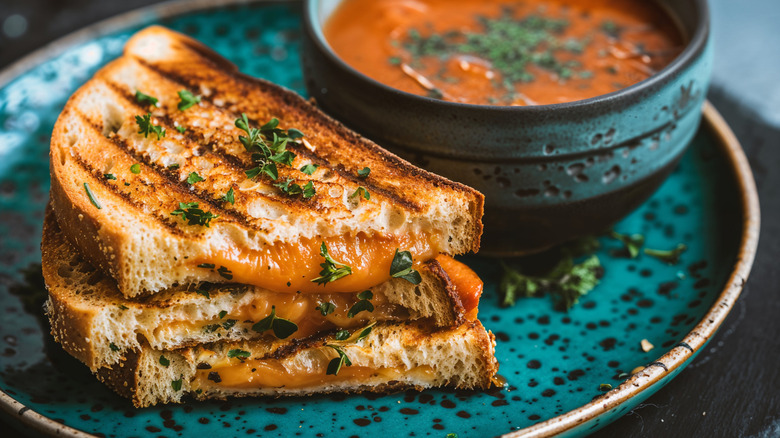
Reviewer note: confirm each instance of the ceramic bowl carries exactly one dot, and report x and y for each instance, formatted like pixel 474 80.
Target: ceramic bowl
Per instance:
pixel 550 173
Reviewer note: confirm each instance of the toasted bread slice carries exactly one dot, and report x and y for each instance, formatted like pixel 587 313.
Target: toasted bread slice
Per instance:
pixel 98 325
pixel 114 189
pixel 392 357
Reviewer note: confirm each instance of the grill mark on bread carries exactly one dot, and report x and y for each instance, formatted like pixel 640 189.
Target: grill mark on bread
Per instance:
pixel 392 194
pixel 171 182
pixel 236 165
pixel 124 196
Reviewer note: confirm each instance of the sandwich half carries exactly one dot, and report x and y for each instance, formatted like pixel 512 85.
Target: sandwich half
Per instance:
pixel 171 346
pixel 99 326
pixel 170 168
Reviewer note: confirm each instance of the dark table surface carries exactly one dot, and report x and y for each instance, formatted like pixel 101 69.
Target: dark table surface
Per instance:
pixel 733 388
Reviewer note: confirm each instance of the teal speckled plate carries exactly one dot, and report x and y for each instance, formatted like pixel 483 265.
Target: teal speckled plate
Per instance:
pixel 554 362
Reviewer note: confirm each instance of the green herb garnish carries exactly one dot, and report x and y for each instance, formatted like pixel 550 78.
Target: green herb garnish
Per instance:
pixel 190 212
pixel 281 327
pixel 401 267
pixel 145 99
pixel 176 384
pixel 604 387
pixel 364 172
pixel 135 168
pixel 164 361
pixel 566 282
pixel 309 169
pixel 225 273
pixel 229 323
pixel 632 243
pixel 334 366
pixel 146 126
pixel 670 257
pixel 292 189
pixel 193 178
pixel 173 166
pixel 207 265
pixel 364 304
pixel 113 347
pixel 360 190
pixel 187 100
pixel 109 176
pixel 229 196
pixel 267 145
pixel 181 129
pixel 122 307
pixel 243 354
pixel 91 196
pixel 326 308
pixel 341 335
pixel 331 269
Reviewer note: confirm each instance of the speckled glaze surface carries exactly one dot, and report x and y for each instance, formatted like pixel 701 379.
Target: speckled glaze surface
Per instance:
pixel 598 158
pixel 554 362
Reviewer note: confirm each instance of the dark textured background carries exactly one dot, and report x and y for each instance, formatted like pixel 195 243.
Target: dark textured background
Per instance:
pixel 733 388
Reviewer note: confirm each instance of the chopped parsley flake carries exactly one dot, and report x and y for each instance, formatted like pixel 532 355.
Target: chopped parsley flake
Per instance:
pixel 193 178
pixel 113 347
pixel 145 99
pixel 164 361
pixel 364 304
pixel 187 100
pixel 229 196
pixel 109 176
pixel 364 172
pixel 281 327
pixel 181 129
pixel 358 192
pixel 309 169
pixel 176 384
pixel 146 126
pixel 243 354
pixel 401 267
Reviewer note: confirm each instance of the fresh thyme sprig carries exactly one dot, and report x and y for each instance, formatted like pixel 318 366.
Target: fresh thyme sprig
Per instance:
pixel 331 269
pixel 401 267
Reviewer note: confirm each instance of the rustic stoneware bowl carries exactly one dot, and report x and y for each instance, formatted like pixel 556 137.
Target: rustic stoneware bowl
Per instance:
pixel 550 173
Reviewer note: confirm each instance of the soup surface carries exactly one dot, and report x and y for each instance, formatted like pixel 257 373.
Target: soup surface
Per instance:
pixel 533 52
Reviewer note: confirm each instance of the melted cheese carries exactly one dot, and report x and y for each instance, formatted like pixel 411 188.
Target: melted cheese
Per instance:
pixel 285 267
pixel 298 308
pixel 274 373
pixel 468 285
pixel 302 308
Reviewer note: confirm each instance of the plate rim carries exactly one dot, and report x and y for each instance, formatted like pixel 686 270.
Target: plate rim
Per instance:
pixel 679 356
pixel 670 362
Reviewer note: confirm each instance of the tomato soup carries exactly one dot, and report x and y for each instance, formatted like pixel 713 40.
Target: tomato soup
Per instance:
pixel 497 52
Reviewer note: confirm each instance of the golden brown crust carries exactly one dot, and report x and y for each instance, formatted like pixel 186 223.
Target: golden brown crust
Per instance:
pixel 96 133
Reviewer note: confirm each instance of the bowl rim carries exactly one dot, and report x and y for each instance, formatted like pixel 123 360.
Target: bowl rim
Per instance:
pixel 695 46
